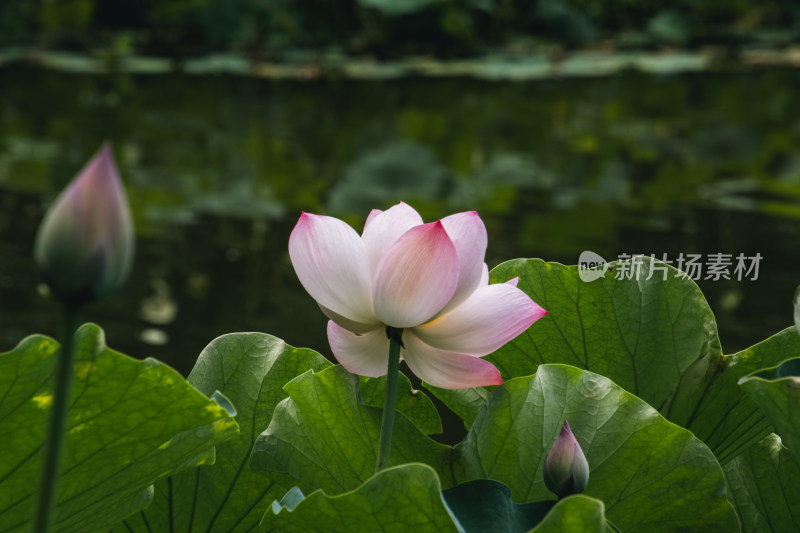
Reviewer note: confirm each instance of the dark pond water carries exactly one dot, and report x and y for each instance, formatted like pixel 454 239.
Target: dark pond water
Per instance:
pixel 219 168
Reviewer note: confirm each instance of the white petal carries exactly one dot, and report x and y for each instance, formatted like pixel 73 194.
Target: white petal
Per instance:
pixel 445 369
pixel 383 228
pixel 484 276
pixel 468 234
pixel 372 214
pixel 365 355
pixel 416 277
pixel 349 325
pixel 331 262
pixel 488 319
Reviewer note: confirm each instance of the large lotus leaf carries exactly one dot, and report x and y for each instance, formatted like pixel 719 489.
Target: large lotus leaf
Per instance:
pixel 717 410
pixel 322 437
pixel 643 334
pixel 651 474
pixel 762 482
pixel 466 403
pixel 413 404
pixel 408 498
pixel 777 392
pixel 398 499
pixel 655 337
pixel 250 369
pixel 485 506
pixel 130 423
pixel 575 514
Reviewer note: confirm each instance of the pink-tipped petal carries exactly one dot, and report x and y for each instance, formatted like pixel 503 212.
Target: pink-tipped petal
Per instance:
pixel 346 323
pixel 365 355
pixel 513 281
pixel 488 319
pixel 468 234
pixel 384 228
pixel 416 277
pixel 445 369
pixel 331 262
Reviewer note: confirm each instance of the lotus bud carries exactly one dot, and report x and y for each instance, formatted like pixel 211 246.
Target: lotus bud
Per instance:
pixel 566 470
pixel 84 246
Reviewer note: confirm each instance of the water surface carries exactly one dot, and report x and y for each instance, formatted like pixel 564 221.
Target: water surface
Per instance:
pixel 218 168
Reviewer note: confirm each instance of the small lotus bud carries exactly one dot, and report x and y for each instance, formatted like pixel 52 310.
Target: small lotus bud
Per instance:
pixel 566 470
pixel 84 246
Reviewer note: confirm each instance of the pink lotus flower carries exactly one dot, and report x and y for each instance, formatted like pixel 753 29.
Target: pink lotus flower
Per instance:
pixel 84 246
pixel 428 279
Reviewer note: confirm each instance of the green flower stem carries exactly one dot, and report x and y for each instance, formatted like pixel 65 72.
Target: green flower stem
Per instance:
pixel 51 463
pixel 390 402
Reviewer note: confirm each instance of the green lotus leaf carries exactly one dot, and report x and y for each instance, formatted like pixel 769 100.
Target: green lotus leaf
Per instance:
pixel 762 482
pixel 717 410
pixel 466 403
pixel 651 474
pixel 408 498
pixel 485 506
pixel 776 390
pixel 413 404
pixel 655 337
pixel 130 423
pixel 575 514
pixel 398 499
pixel 250 369
pixel 322 437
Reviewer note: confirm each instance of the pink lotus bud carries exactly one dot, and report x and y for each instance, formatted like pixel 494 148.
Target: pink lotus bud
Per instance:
pixel 84 246
pixel 566 470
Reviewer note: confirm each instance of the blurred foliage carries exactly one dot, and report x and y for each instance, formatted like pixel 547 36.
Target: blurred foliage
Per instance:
pixel 265 148
pixel 396 170
pixel 292 29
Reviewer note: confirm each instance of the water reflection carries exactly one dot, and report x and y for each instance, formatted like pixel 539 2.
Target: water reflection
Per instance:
pixel 219 168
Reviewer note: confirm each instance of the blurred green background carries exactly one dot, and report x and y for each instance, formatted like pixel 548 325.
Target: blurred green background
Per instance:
pixel 218 164
pixel 386 28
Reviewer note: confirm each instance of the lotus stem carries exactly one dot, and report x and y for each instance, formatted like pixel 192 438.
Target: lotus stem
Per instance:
pixel 51 462
pixel 390 402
